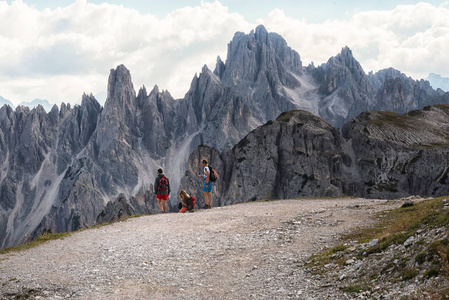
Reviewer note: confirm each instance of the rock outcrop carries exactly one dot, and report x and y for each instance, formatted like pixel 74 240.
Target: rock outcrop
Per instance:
pixel 396 155
pixel 379 155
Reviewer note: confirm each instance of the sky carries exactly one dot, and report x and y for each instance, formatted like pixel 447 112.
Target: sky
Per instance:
pixel 59 49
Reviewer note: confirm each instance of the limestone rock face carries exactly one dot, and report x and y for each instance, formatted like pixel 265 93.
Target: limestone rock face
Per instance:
pixel 122 208
pixel 397 155
pixel 379 155
pixel 154 121
pixel 258 67
pixel 346 88
pixel 296 155
pixel 37 152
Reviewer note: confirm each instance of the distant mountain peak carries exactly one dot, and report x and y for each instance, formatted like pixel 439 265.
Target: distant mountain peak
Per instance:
pixel 438 82
pixel 4 101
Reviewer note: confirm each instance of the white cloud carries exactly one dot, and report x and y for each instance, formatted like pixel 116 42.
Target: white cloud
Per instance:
pixel 410 38
pixel 59 54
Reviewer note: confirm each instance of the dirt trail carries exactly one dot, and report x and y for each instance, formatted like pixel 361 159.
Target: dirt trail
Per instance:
pixel 245 251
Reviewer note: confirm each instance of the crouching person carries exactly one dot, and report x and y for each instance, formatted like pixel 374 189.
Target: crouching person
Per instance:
pixel 187 202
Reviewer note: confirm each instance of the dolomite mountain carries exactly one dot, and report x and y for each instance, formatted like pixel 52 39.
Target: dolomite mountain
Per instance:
pixel 378 155
pixel 73 167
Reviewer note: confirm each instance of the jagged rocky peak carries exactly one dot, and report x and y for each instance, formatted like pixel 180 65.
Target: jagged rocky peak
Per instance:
pixel 258 66
pixel 345 59
pixel 400 93
pixel 378 79
pixel 142 92
pixel 162 93
pixel 121 100
pixel 120 88
pixel 261 34
pixel 219 67
pixel 155 90
pixel 89 100
pixel 250 56
pixel 338 69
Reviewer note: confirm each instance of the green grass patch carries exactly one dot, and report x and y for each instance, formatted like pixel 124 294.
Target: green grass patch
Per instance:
pixel 338 248
pixel 45 237
pixel 409 274
pixel 355 289
pixel 399 224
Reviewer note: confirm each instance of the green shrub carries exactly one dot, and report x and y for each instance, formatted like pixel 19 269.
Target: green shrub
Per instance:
pixel 420 258
pixel 352 289
pixel 432 272
pixel 409 274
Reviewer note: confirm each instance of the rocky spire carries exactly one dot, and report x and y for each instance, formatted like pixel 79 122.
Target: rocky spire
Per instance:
pixel 219 67
pixel 121 95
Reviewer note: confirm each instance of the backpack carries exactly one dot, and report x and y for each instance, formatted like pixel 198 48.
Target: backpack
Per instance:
pixel 212 174
pixel 163 184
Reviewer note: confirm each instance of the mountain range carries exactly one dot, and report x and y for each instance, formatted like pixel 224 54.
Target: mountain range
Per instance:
pixel 36 102
pixel 73 167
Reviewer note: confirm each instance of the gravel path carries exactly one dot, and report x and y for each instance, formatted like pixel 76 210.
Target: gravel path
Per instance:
pixel 245 251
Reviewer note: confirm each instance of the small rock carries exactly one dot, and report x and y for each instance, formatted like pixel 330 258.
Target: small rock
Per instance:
pixel 409 241
pixel 373 242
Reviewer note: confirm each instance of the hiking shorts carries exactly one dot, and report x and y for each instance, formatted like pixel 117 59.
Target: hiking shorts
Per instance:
pixel 163 197
pixel 209 187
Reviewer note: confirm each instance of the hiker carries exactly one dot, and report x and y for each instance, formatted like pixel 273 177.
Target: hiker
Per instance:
pixel 162 190
pixel 187 202
pixel 207 185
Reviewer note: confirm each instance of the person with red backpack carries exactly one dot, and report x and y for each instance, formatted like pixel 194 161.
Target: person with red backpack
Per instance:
pixel 162 189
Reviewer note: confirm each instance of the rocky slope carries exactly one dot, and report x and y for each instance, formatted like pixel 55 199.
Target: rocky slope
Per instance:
pixel 74 166
pixel 378 155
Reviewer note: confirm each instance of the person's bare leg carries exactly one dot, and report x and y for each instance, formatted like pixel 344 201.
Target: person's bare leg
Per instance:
pixel 210 199
pixel 164 205
pixel 160 204
pixel 205 198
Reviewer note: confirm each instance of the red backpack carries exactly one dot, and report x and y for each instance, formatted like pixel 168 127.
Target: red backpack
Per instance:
pixel 163 184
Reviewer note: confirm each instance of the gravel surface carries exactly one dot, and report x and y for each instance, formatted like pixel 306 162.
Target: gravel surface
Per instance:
pixel 245 251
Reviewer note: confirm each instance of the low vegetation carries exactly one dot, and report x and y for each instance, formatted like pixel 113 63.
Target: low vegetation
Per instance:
pixel 36 242
pixel 45 237
pixel 407 246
